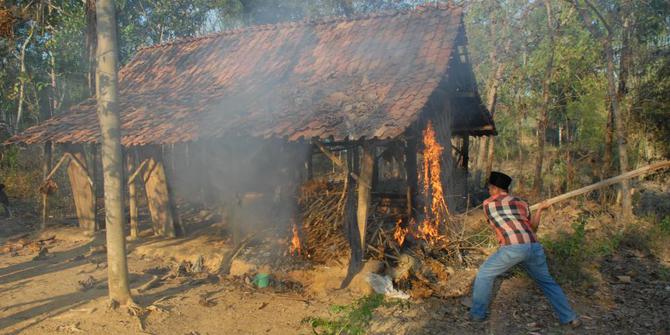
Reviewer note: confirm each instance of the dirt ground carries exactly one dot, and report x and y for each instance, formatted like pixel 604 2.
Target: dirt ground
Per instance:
pixel 64 291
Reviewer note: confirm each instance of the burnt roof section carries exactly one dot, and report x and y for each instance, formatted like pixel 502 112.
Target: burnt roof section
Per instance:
pixel 339 78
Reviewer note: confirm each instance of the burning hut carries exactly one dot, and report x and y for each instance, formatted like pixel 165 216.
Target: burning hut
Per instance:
pixel 387 100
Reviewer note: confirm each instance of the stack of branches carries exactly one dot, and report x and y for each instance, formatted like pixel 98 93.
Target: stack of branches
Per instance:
pixel 322 207
pixel 426 268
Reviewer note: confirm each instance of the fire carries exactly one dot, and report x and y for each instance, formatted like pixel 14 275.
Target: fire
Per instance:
pixel 400 233
pixel 295 248
pixel 432 187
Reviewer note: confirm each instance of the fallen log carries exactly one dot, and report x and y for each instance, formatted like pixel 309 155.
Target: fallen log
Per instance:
pixel 604 183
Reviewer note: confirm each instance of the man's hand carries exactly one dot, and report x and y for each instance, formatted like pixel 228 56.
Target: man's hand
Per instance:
pixel 543 205
pixel 537 216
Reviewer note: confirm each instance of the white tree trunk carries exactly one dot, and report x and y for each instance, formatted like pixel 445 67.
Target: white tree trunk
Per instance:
pixel 110 127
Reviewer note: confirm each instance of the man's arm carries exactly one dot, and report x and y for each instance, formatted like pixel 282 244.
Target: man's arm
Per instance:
pixel 537 216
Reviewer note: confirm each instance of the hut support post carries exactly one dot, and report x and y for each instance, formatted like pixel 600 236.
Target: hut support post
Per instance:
pixel 412 177
pixel 82 188
pixel 46 167
pixel 158 199
pixel 132 195
pixel 364 190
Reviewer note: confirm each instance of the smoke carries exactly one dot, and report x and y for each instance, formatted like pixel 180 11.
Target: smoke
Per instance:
pixel 254 182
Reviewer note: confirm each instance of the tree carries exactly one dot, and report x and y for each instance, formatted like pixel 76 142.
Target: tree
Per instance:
pixel 614 98
pixel 543 118
pixel 110 128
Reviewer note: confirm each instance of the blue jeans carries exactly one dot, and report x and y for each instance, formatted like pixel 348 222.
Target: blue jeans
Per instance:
pixel 533 260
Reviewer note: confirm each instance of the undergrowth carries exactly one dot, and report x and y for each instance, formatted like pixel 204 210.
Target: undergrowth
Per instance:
pixel 572 254
pixel 350 319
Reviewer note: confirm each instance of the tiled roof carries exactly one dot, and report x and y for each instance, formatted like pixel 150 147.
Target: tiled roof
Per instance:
pixel 333 78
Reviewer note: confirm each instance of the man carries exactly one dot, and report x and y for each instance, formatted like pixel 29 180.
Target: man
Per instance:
pixel 4 200
pixel 515 230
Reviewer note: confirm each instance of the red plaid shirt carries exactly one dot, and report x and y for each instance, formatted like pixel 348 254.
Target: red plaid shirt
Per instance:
pixel 510 218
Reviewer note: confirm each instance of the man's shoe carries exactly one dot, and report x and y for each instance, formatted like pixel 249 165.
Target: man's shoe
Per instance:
pixel 576 323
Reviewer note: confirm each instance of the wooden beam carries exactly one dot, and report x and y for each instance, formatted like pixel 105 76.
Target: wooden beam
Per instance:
pixel 338 162
pixel 366 170
pixel 607 182
pixel 56 167
pixel 136 172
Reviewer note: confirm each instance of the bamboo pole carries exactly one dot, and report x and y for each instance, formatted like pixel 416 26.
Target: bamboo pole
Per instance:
pixel 606 182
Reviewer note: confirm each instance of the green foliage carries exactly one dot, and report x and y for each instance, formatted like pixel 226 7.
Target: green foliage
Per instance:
pixel 349 319
pixel 570 252
pixel 664 225
pixel 653 104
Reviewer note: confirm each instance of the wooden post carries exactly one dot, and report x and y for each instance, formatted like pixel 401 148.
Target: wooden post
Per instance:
pixel 158 198
pixel 412 176
pixel 98 181
pixel 465 147
pixel 82 189
pixel 132 195
pixel 46 168
pixel 367 161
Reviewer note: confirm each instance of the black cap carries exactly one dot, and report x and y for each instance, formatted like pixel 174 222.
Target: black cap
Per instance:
pixel 500 179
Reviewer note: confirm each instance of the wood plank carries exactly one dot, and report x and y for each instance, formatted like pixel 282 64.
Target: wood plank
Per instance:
pixel 366 171
pixel 82 188
pixel 157 196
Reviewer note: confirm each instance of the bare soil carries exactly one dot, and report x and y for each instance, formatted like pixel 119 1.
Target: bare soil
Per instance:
pixel 63 291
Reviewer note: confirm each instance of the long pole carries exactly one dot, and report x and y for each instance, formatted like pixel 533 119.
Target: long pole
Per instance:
pixel 607 182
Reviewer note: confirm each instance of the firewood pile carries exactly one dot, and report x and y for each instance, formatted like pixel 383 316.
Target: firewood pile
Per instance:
pixel 418 262
pixel 22 242
pixel 322 208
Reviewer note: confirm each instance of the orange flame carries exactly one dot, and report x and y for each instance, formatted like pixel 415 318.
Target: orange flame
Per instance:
pixel 432 187
pixel 295 248
pixel 400 233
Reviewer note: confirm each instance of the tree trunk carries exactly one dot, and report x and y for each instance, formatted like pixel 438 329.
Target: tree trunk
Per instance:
pixel 542 121
pixel 91 43
pixel 480 162
pixel 606 168
pixel 491 100
pixel 570 168
pixel 110 127
pixel 55 101
pixel 22 79
pixel 626 201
